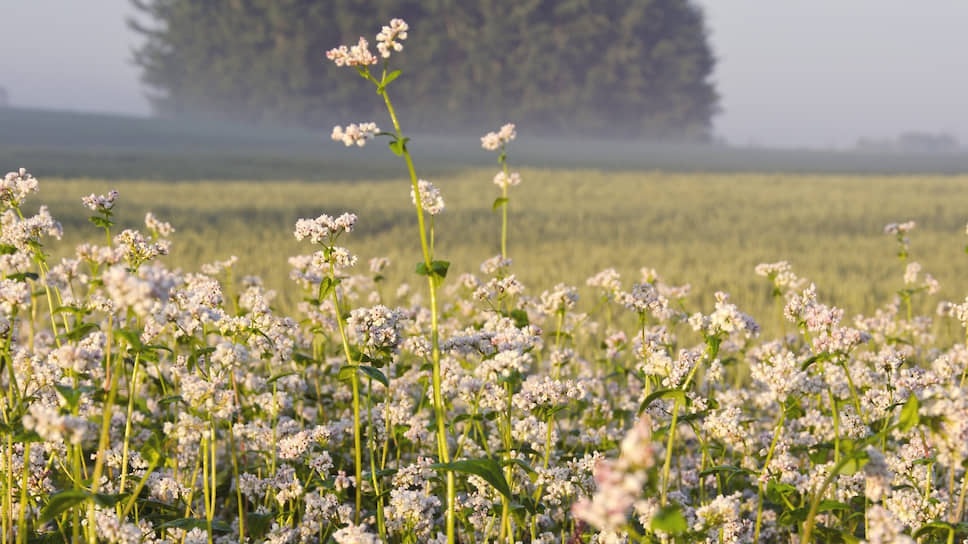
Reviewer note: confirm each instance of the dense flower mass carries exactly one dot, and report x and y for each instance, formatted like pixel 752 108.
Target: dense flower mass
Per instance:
pixel 585 411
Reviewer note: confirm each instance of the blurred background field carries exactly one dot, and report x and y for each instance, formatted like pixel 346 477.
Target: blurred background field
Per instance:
pixel 707 230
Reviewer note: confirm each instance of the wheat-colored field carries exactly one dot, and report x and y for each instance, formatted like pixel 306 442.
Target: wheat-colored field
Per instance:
pixel 707 230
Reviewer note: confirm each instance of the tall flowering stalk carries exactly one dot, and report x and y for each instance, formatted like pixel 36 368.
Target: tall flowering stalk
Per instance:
pixel 497 141
pixel 359 56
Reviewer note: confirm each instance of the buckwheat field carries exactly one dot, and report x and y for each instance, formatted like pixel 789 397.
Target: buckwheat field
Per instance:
pixel 385 385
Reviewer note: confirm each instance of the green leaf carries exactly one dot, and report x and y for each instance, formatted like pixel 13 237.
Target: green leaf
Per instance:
pixel 68 310
pixel 23 276
pixel 852 464
pixel 71 396
pixel 677 394
pixel 280 375
pixel 325 287
pixel 61 502
pixel 153 450
pixel 489 469
pixel 828 505
pixel 390 77
pixel 520 318
pixel 399 146
pixel 669 519
pixel 102 222
pixel 933 526
pixel 375 374
pixel 498 202
pixel 438 269
pixel 909 414
pixel 106 500
pixel 80 331
pixel 258 525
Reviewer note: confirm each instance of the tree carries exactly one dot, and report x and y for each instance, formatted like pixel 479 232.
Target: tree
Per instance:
pixel 606 67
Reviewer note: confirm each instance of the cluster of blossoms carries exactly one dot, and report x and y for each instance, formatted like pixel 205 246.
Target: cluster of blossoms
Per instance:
pixel 390 37
pixel 324 229
pixel 504 181
pixel 16 186
pixel 357 134
pixel 356 55
pixel 430 198
pixel 101 203
pixel 492 141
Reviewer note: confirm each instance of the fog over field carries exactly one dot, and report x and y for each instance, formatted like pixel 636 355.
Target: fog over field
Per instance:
pixel 798 73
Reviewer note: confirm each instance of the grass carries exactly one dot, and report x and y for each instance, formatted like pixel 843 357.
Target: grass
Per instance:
pixel 708 230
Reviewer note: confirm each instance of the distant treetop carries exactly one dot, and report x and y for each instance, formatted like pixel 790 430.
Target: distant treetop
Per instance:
pixel 620 68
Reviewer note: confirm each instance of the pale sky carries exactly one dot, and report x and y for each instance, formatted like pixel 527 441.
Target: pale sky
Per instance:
pixel 817 73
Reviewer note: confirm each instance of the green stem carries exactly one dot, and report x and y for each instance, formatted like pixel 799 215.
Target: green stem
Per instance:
pixel 766 463
pixel 443 454
pixel 238 488
pixel 355 381
pixel 132 389
pixel 668 458
pixel 504 209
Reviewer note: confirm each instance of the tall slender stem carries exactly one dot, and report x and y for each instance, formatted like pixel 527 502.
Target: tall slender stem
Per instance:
pixel 438 399
pixel 355 380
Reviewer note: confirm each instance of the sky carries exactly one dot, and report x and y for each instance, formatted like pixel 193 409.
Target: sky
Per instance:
pixel 790 73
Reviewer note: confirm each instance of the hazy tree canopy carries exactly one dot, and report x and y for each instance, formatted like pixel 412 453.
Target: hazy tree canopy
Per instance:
pixel 603 67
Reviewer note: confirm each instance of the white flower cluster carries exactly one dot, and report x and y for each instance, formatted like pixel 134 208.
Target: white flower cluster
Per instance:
pixel 356 55
pixel 324 229
pixel 162 228
pixel 430 197
pixel 15 187
pixel 504 181
pixel 378 327
pixel 725 319
pixel 781 274
pixel 101 203
pixel 355 133
pixel 493 140
pixel 387 39
pixel 899 228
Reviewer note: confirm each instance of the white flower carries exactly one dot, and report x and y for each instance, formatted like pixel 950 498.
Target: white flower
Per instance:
pixel 355 133
pixel 357 55
pixel 504 181
pixel 430 197
pixel 493 140
pixel 388 36
pixel 100 203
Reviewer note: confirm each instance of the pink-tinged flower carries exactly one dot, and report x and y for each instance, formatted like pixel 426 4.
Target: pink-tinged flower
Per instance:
pixel 357 55
pixel 100 203
pixel 387 39
pixel 430 197
pixel 493 140
pixel 355 133
pixel 505 181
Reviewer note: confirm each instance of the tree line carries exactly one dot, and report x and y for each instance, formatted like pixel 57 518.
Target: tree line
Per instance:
pixel 620 68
